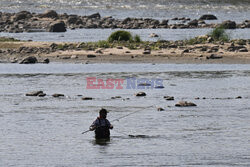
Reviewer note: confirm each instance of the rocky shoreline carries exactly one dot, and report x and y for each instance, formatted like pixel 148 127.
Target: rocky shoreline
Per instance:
pixel 51 21
pixel 29 52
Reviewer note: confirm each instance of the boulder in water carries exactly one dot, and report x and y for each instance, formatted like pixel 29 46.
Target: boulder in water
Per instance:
pixel 140 94
pixel 208 17
pixel 29 60
pixel 57 27
pixel 228 24
pixel 185 104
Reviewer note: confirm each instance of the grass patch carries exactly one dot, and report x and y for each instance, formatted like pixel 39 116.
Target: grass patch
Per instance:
pixel 9 43
pixel 5 39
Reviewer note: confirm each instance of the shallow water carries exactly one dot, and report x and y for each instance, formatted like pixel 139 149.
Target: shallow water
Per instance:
pixel 93 35
pixel 46 131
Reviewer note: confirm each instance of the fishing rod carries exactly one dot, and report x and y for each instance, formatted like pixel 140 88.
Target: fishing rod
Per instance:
pixel 124 116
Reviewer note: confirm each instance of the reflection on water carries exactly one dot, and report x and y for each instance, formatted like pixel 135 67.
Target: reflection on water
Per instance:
pixel 46 131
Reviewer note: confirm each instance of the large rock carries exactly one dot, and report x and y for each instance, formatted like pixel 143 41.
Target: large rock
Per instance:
pixel 29 60
pixel 208 17
pixel 185 104
pixel 49 14
pixel 95 15
pixel 193 23
pixel 228 24
pixel 22 15
pixel 57 27
pixel 72 20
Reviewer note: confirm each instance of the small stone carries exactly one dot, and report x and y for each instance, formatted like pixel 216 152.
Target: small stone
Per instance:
pixel 119 47
pixel 243 50
pixel 168 97
pixel 160 109
pixel 91 56
pixel 74 57
pixel 58 95
pixel 153 35
pixel 214 56
pixel 159 87
pixel 87 98
pixel 99 51
pixel 140 94
pixel 46 61
pixel 34 93
pixel 185 104
pixel 147 52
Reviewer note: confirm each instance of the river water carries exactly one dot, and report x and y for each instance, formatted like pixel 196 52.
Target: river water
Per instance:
pixel 237 10
pixel 46 131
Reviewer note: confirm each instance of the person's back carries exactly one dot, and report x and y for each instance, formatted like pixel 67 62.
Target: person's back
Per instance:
pixel 101 126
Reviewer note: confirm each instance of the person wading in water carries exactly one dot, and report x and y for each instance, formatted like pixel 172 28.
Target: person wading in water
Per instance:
pixel 101 125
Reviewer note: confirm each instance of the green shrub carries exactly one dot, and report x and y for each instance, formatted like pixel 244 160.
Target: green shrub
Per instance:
pixel 137 39
pixel 219 34
pixel 120 36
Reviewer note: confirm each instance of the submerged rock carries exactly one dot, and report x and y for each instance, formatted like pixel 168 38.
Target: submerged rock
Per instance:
pixel 87 98
pixel 46 61
pixel 185 104
pixel 160 109
pixel 169 97
pixel 58 95
pixel 34 93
